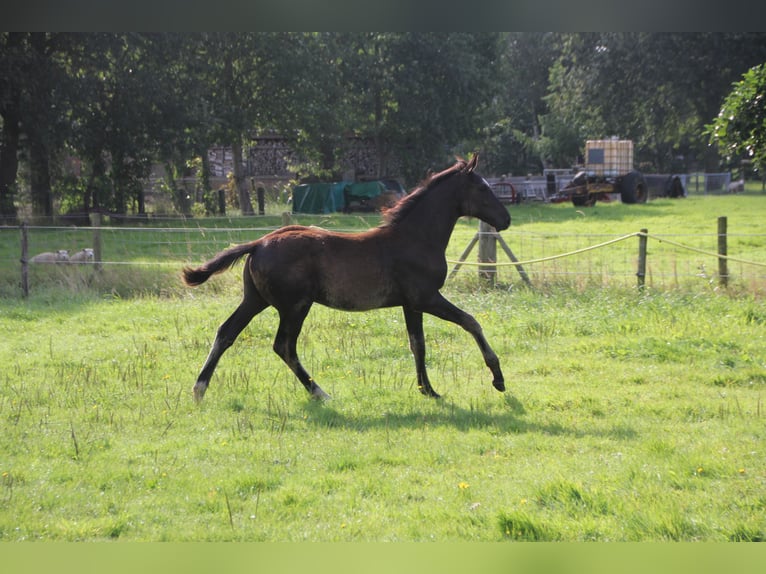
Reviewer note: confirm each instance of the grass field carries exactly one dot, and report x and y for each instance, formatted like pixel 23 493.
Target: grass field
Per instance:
pixel 629 416
pixel 153 251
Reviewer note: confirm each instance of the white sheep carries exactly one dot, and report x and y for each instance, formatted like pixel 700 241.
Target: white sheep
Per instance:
pixel 82 256
pixel 60 256
pixel 736 186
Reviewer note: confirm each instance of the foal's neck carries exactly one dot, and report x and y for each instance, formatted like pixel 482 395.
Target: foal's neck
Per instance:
pixel 433 219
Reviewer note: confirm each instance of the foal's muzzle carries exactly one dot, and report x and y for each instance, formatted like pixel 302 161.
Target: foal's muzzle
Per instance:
pixel 503 223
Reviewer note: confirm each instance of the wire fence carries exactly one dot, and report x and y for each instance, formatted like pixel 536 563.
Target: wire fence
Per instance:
pixel 126 255
pixel 640 258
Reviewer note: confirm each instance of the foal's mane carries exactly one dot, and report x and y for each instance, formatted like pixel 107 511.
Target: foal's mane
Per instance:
pixel 405 205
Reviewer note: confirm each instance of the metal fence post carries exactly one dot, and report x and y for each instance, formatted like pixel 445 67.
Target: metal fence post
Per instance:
pixel 641 273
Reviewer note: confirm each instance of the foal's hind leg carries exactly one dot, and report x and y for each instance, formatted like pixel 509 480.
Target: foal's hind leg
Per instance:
pixel 414 322
pixel 286 342
pixel 252 304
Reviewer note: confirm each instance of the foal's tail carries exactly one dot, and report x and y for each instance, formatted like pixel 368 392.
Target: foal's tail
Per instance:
pixel 194 276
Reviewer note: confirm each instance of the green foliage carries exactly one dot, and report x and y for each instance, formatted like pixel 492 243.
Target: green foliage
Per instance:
pixel 419 95
pixel 739 131
pixel 643 87
pixel 525 100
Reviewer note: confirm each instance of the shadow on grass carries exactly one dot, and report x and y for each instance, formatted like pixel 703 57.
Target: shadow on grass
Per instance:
pixel 511 418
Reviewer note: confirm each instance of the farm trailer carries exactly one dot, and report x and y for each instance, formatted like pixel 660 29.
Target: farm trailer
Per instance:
pixel 609 170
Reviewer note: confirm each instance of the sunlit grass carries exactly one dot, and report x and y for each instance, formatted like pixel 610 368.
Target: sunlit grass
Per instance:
pixel 627 418
pixel 629 415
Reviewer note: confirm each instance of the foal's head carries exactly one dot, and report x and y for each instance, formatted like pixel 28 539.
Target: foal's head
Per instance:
pixel 472 193
pixel 477 198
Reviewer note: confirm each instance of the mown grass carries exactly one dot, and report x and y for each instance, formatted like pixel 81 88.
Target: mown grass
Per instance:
pixel 627 418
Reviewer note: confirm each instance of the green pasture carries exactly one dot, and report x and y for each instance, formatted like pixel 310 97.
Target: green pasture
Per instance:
pixel 143 256
pixel 629 416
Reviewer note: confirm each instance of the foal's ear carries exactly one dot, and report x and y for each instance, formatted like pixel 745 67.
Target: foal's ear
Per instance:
pixel 472 164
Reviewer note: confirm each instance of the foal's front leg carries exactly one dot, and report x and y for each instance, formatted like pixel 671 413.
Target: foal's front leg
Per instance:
pixel 442 308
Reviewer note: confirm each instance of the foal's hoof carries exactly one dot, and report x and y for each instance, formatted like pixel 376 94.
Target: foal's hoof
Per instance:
pixel 429 392
pixel 499 384
pixel 199 391
pixel 319 395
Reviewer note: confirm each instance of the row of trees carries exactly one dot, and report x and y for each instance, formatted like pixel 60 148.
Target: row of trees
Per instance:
pixel 121 102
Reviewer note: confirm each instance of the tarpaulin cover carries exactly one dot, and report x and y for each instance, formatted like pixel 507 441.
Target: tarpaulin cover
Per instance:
pixel 365 189
pixel 319 197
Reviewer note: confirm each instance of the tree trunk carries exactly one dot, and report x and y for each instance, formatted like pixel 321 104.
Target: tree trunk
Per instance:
pixel 205 175
pixel 9 140
pixel 37 124
pixel 119 181
pixel 141 199
pixel 40 177
pixel 239 177
pixel 93 192
pixel 9 160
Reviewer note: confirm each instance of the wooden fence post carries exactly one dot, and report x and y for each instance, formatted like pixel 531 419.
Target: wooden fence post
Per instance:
pixel 95 221
pixel 641 272
pixel 24 261
pixel 261 194
pixel 487 233
pixel 723 270
pixel 487 253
